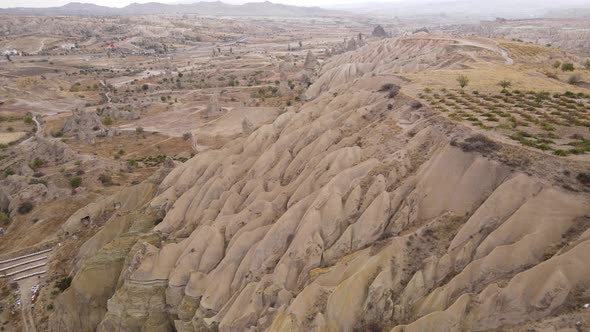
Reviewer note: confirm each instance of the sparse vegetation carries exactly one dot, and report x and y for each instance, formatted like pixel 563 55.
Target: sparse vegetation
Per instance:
pixel 105 179
pixel 391 89
pixel 505 84
pixel 574 79
pixel 107 121
pixel 37 163
pixel 63 283
pixel 4 219
pixel 75 182
pixel 25 207
pixel 567 66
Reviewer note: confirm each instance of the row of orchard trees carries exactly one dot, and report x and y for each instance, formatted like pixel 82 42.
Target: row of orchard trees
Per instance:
pixel 464 81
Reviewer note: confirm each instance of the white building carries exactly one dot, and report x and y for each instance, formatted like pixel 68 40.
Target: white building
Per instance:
pixel 10 52
pixel 68 47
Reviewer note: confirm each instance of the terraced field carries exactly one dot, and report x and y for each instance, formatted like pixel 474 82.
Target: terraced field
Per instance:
pixel 553 122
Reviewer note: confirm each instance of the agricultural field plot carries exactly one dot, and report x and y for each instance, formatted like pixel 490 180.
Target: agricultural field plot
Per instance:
pixel 552 122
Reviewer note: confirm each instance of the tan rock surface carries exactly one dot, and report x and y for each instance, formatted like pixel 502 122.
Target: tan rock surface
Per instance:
pixel 347 215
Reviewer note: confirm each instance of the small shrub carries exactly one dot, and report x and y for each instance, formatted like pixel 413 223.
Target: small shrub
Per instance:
pixel 56 134
pixel 387 87
pixel 574 79
pixel 64 283
pixel 139 130
pixel 75 182
pixel 25 207
pixel 505 84
pixel 552 75
pixel 107 121
pixel 391 89
pixel 8 172
pixel 567 66
pixel 37 163
pixel 584 178
pixel 4 219
pixel 186 136
pixel 477 143
pixel 106 179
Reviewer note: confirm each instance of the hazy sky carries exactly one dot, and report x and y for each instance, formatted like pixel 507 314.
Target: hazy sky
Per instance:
pixel 329 3
pixel 123 3
pixel 57 3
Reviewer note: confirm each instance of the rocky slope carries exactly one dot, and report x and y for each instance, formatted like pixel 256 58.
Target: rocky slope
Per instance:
pixel 362 210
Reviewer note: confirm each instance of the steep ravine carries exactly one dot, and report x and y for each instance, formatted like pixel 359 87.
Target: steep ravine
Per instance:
pixel 355 212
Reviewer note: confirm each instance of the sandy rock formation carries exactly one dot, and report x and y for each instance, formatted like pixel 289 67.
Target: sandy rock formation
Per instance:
pixel 310 61
pixel 213 107
pixel 351 45
pixel 51 151
pixel 247 127
pixel 4 199
pixel 338 217
pixel 133 114
pixel 284 89
pixel 104 259
pixel 85 126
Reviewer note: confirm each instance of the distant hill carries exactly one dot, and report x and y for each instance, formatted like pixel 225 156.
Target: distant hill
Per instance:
pixel 468 8
pixel 569 13
pixel 217 8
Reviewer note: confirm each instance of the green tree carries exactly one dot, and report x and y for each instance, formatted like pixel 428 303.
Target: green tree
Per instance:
pixel 463 81
pixel 505 84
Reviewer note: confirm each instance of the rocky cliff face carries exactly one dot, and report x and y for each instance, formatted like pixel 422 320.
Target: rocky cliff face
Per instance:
pixel 356 212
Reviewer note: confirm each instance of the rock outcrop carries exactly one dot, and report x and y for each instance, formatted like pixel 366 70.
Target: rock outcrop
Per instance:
pixel 85 126
pixel 379 32
pixel 247 127
pixel 310 61
pixel 350 215
pixel 213 107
